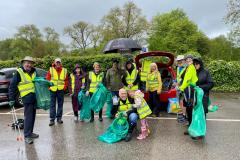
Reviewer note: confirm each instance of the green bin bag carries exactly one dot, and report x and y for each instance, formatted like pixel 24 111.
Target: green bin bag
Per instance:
pixel 212 108
pixel 116 131
pixel 85 112
pixel 42 93
pixel 109 104
pixel 98 98
pixel 198 125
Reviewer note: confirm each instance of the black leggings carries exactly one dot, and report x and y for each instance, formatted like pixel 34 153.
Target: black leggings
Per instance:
pixel 154 102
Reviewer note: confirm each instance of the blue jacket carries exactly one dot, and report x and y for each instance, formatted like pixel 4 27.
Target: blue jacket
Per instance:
pixel 13 88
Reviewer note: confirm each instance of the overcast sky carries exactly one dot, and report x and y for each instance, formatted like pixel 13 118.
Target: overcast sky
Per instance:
pixel 207 14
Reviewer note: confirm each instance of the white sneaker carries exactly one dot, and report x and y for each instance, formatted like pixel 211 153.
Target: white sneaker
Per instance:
pixel 75 119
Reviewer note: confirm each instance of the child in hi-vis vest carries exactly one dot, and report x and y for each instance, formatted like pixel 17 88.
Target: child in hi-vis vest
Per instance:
pixel 143 111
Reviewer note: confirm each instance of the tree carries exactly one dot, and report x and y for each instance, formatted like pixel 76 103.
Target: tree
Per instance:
pixel 5 49
pixel 126 22
pixel 174 32
pixel 52 42
pixel 233 18
pixel 96 37
pixel 27 39
pixel 80 33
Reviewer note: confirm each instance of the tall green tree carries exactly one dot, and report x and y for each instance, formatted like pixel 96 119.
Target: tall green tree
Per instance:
pixel 233 18
pixel 27 40
pixel 174 32
pixel 125 22
pixel 222 48
pixel 52 41
pixel 80 33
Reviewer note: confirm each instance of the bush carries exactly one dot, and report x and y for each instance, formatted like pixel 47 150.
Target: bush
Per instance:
pixel 69 62
pixel 225 75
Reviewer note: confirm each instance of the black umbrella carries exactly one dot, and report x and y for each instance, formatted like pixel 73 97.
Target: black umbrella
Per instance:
pixel 121 45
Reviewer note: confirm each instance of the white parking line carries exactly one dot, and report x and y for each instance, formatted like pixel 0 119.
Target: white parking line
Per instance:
pixel 157 118
pixel 68 113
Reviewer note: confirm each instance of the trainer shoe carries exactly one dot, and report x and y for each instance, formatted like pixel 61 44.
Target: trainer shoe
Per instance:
pixel 29 140
pixel 34 135
pixel 51 123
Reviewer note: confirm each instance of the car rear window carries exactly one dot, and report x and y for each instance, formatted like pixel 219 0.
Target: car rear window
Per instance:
pixel 9 74
pixel 2 76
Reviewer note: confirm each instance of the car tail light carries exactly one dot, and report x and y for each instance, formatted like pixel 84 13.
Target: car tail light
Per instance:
pixel 2 82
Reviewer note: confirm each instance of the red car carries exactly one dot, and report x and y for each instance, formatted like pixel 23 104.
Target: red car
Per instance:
pixel 167 72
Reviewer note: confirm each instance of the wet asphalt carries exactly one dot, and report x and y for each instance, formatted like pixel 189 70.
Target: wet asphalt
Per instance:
pixel 72 140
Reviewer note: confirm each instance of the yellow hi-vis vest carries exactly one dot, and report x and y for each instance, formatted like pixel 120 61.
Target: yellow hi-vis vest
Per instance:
pixel 26 85
pixel 58 81
pixel 131 78
pixel 95 80
pixel 124 107
pixel 73 81
pixel 145 70
pixel 152 81
pixel 179 74
pixel 143 110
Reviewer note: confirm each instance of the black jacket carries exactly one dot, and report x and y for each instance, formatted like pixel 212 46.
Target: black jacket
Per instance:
pixel 205 80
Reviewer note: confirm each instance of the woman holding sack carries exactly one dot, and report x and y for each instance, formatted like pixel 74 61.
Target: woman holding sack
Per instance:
pixel 77 82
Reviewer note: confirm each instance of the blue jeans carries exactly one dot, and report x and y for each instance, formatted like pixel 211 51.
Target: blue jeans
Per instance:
pixel 132 118
pixel 59 96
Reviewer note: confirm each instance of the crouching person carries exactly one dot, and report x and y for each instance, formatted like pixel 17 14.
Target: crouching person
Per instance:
pixel 143 111
pixel 125 106
pixel 23 81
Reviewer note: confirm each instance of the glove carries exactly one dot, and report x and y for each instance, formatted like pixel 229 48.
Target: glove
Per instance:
pixel 11 104
pixel 115 100
pixel 83 87
pixel 87 93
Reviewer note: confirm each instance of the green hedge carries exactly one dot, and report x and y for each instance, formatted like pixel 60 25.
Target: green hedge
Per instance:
pixel 69 62
pixel 226 75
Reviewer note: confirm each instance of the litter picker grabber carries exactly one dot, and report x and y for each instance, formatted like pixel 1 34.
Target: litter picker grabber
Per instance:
pixel 16 127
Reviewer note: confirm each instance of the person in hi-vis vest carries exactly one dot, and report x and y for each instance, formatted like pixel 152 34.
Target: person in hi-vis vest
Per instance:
pixel 23 82
pixel 77 81
pixel 131 78
pixel 94 78
pixel 58 76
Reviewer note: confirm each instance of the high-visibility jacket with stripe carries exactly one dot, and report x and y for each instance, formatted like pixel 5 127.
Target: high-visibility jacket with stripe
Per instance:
pixel 124 107
pixel 73 81
pixel 152 80
pixel 145 70
pixel 179 74
pixel 26 86
pixel 131 78
pixel 143 110
pixel 95 80
pixel 58 81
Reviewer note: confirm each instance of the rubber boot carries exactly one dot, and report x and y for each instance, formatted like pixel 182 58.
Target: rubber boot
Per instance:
pixel 130 131
pixel 143 133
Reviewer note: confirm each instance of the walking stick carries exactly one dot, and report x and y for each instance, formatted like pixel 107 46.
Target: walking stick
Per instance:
pixel 16 127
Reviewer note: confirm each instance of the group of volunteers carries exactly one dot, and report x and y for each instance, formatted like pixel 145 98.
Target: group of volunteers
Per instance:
pixel 122 83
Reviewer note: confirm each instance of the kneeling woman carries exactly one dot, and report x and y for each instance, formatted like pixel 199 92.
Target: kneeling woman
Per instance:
pixel 125 106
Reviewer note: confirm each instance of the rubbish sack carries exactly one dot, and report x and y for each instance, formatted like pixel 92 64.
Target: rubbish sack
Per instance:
pixel 42 93
pixel 173 105
pixel 109 101
pixel 198 125
pixel 212 108
pixel 85 112
pixel 98 98
pixel 116 131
